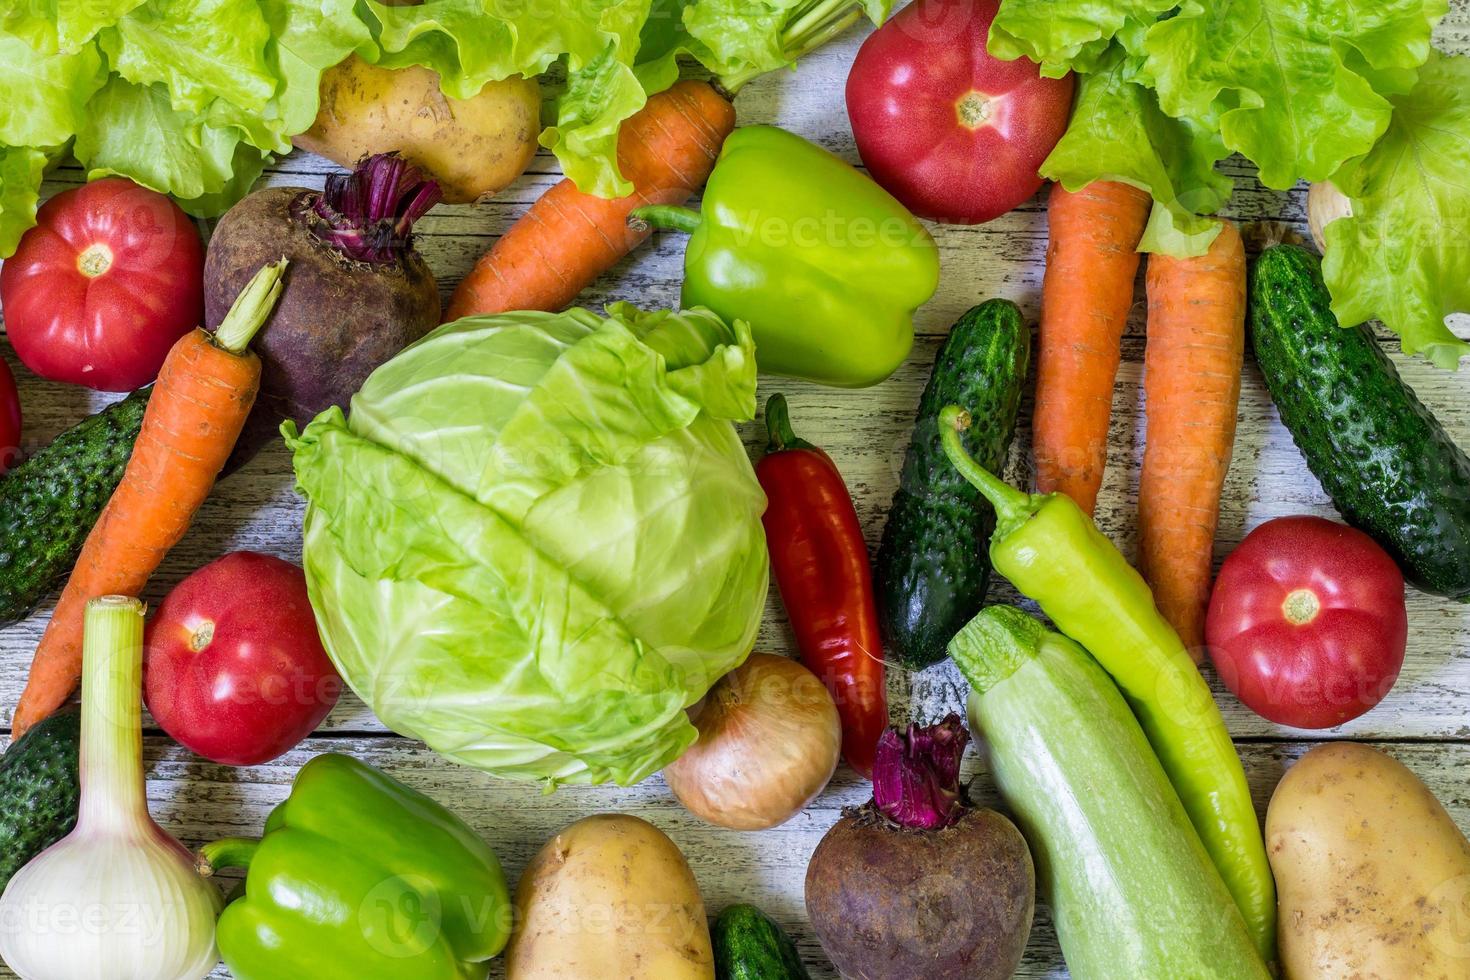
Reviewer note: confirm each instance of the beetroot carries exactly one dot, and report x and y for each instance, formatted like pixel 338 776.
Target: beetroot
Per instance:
pixel 916 883
pixel 356 291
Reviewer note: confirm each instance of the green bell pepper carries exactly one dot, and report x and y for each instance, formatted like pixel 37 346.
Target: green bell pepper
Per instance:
pixel 359 877
pixel 825 266
pixel 1052 552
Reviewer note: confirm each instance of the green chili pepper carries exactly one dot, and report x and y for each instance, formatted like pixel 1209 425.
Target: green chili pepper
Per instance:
pixel 1053 553
pixel 825 266
pixel 359 877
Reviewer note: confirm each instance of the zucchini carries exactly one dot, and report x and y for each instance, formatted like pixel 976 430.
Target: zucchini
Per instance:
pixel 932 568
pixel 1132 890
pixel 39 790
pixel 49 503
pixel 749 946
pixel 1382 457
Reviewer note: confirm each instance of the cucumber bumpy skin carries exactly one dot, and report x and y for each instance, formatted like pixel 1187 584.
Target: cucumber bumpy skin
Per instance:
pixel 932 569
pixel 1383 458
pixel 40 787
pixel 49 503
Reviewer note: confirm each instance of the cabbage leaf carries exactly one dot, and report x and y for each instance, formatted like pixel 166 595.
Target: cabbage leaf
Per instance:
pixel 537 539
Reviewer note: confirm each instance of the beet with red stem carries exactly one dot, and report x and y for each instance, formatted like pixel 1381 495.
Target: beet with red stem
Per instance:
pixel 916 882
pixel 356 294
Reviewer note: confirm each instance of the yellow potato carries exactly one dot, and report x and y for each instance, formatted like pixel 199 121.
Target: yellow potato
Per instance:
pixel 609 898
pixel 472 147
pixel 1372 875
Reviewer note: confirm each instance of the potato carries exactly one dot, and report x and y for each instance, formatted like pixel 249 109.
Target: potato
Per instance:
pixel 609 898
pixel 1372 874
pixel 472 147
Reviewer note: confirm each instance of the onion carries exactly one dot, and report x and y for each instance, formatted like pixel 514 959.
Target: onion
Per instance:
pixel 769 739
pixel 1325 204
pixel 117 897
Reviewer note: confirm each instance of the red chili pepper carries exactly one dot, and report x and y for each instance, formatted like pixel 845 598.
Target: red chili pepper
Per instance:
pixel 821 565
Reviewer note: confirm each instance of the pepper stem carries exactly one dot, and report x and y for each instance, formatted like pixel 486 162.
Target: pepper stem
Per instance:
pixel 811 25
pixel 251 308
pixel 227 852
pixel 778 427
pixel 1010 504
pixel 665 216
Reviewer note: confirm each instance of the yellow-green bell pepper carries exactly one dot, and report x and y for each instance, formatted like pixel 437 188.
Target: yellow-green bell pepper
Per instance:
pixel 825 266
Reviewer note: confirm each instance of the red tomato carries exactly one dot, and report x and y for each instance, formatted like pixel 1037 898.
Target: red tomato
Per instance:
pixel 234 668
pixel 9 419
pixel 1307 623
pixel 953 133
pixel 100 289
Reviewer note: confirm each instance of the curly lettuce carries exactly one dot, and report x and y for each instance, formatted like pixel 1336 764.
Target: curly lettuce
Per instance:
pixel 1403 257
pixel 1120 133
pixel 1304 89
pixel 194 97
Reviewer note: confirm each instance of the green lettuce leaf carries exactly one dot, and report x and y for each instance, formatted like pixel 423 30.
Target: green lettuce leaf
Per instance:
pixel 537 540
pixel 1070 36
pixel 1403 257
pixel 52 26
pixel 45 95
pixel 472 42
pixel 21 168
pixel 133 130
pixel 1118 132
pixel 200 50
pixel 306 38
pixel 1279 75
pixel 599 95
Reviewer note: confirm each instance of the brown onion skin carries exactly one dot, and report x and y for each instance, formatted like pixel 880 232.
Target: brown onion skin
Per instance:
pixel 769 741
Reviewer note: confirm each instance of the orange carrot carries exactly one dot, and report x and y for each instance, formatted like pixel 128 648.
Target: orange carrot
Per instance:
pixel 1196 343
pixel 1091 262
pixel 199 403
pixel 568 238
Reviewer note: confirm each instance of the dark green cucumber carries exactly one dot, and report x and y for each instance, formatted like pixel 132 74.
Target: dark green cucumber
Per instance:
pixel 39 789
pixel 932 569
pixel 1382 457
pixel 749 946
pixel 49 503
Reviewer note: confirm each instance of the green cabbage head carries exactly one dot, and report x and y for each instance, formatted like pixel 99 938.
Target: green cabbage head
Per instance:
pixel 537 539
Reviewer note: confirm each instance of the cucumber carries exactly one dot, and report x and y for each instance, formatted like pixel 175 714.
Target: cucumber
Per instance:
pixel 932 568
pixel 49 503
pixel 749 946
pixel 39 790
pixel 1132 890
pixel 1382 457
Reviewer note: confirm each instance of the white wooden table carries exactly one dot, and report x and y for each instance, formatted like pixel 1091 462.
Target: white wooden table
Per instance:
pixel 1425 721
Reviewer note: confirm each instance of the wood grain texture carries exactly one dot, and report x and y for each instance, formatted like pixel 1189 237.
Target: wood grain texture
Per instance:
pixel 1425 721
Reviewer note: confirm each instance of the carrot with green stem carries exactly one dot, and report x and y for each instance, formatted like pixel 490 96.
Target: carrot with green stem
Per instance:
pixel 1192 365
pixel 199 404
pixel 1091 262
pixel 666 150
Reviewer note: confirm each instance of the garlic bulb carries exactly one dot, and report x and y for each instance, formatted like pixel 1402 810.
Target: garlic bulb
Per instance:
pixel 118 898
pixel 1325 204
